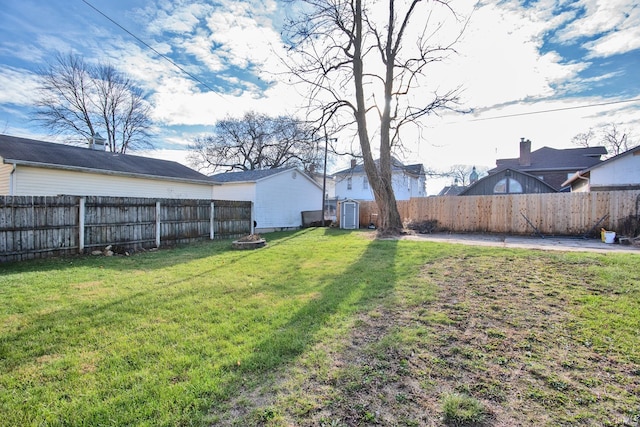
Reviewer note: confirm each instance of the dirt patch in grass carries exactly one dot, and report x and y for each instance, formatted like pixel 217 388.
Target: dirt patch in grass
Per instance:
pixel 498 330
pixel 509 339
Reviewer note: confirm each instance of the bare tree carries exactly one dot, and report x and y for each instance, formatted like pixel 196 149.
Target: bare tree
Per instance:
pixel 584 139
pixel 364 64
pixel 615 139
pixel 462 173
pixel 612 137
pixel 256 141
pixel 80 100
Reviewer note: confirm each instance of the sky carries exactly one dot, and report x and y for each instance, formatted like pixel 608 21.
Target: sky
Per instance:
pixel 543 70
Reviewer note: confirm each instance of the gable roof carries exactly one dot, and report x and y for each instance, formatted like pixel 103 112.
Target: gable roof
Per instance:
pixel 252 176
pixel 547 158
pixel 530 183
pixel 247 176
pixel 583 173
pixel 29 152
pixel 396 165
pixel 452 190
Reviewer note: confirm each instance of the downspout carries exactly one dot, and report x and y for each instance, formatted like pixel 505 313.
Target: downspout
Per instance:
pixel 584 178
pixel 12 181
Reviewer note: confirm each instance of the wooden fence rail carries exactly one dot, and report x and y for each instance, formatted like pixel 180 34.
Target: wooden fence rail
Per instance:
pixel 42 226
pixel 551 214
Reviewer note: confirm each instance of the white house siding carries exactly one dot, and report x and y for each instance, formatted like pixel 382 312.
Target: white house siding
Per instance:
pixel 282 198
pixel 404 187
pixel 5 179
pixel 401 186
pixel 357 191
pixel 279 200
pixel 618 172
pixel 239 191
pixel 31 181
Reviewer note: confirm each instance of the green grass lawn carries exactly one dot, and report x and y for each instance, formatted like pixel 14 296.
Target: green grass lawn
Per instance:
pixel 321 327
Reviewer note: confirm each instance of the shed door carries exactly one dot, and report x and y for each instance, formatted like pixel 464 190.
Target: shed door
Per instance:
pixel 349 215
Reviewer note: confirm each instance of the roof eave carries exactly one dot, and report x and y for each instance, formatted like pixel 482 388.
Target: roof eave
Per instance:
pixel 576 176
pixel 105 172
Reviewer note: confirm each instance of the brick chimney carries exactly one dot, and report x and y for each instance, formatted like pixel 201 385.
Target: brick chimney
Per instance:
pixel 525 152
pixel 354 162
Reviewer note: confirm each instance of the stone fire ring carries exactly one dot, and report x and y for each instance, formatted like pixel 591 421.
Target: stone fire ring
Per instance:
pixel 254 244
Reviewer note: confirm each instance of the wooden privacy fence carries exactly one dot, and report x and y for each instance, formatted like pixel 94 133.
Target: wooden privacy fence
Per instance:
pixel 552 214
pixel 42 226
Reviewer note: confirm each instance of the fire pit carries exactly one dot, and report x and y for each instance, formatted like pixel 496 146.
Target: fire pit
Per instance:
pixel 252 241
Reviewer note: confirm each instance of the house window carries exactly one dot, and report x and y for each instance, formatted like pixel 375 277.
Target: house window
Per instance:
pixel 507 185
pixel 349 184
pixel 365 183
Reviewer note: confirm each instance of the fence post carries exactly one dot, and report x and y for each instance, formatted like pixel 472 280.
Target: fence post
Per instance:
pixel 81 215
pixel 211 222
pixel 253 221
pixel 157 224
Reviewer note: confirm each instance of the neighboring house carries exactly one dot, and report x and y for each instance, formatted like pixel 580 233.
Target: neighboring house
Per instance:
pixel 329 183
pixel 37 168
pixel 279 195
pixel 408 181
pixel 621 172
pixel 508 181
pixel 452 190
pixel 553 166
pixel 455 189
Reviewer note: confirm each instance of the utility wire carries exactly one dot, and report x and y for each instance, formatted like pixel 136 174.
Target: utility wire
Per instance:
pixel 472 120
pixel 553 110
pixel 154 50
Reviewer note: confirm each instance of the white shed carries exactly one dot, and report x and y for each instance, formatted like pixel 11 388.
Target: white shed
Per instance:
pixel 279 195
pixel 37 168
pixel 349 214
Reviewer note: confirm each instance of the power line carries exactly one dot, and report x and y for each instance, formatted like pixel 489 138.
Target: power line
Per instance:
pixel 172 62
pixel 553 110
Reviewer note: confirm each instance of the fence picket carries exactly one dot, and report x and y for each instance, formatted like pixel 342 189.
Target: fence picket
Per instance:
pixel 41 226
pixel 551 213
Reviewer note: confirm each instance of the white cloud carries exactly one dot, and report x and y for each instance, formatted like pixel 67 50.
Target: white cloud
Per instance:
pixel 17 86
pixel 615 42
pixel 614 22
pixel 200 46
pixel 243 39
pixel 500 59
pixel 176 17
pixel 179 104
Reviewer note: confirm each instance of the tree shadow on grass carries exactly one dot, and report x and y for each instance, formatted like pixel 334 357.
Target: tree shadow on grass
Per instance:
pixel 366 281
pixel 77 316
pixel 335 297
pixel 147 259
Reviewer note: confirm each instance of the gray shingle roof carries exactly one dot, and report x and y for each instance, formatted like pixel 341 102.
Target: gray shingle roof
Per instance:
pixel 552 158
pixel 246 176
pixel 415 169
pixel 452 190
pixel 50 155
pixel 634 150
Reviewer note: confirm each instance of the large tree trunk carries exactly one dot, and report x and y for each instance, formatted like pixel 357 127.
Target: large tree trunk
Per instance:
pixel 380 177
pixel 364 41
